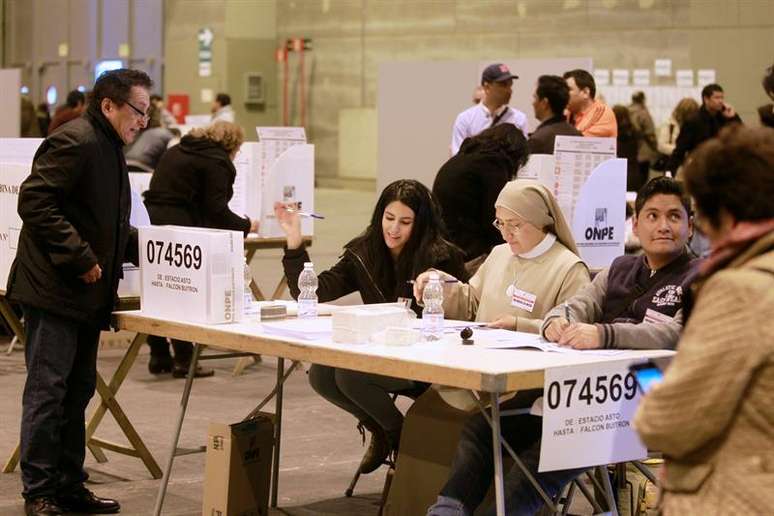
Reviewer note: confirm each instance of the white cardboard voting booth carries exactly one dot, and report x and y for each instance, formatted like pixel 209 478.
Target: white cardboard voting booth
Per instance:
pixel 192 274
pixel 15 165
pixel 279 167
pixel 589 184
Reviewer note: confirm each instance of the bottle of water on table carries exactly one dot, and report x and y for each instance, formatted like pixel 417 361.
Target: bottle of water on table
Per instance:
pixel 432 313
pixel 307 298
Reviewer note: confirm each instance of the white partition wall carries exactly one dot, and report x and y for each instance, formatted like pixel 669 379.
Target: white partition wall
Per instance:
pixel 10 102
pixel 418 101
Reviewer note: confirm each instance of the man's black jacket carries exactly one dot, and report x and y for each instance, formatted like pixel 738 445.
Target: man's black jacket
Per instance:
pixel 75 209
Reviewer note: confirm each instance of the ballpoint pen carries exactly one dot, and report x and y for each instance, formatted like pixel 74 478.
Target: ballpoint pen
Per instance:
pixel 567 312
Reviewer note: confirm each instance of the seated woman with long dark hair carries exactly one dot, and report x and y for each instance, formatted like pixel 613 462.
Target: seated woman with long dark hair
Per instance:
pixel 403 239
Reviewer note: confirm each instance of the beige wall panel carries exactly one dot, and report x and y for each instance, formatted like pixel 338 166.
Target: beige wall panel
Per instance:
pixel 739 67
pixel 251 19
pixel 756 12
pixel 713 13
pixel 82 17
pixel 473 47
pixel 18 32
pixel 634 14
pixel 401 17
pixel 357 143
pixel 510 16
pixel 49 35
pixel 115 27
pixel 319 18
pixel 181 73
pixel 252 55
pixel 336 84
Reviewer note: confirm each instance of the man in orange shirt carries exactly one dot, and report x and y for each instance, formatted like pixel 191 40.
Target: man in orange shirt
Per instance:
pixel 589 116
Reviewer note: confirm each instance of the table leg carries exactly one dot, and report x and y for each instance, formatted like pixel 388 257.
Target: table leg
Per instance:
pixel 609 494
pixel 277 430
pixel 497 450
pixel 280 289
pixel 178 426
pixel 13 321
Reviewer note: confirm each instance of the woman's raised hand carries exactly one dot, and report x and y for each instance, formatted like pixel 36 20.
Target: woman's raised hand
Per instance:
pixel 290 222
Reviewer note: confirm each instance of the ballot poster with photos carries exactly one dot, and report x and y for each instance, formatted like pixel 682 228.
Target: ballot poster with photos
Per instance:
pixel 15 165
pixel 279 167
pixel 590 188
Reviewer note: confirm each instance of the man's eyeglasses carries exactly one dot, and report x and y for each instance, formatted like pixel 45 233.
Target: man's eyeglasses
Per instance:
pixel 508 227
pixel 141 114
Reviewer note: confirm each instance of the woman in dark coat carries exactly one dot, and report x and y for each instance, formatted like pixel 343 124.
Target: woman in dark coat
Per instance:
pixel 468 184
pixel 403 240
pixel 192 186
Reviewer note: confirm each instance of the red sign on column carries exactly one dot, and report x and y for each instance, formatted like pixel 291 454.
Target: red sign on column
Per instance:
pixel 178 105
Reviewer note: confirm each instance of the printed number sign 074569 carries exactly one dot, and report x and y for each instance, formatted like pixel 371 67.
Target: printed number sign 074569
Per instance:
pixel 174 254
pixel 590 389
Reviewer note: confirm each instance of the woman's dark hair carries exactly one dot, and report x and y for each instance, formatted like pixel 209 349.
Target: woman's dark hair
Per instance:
pixel 733 172
pixel 506 139
pixel 116 85
pixel 426 241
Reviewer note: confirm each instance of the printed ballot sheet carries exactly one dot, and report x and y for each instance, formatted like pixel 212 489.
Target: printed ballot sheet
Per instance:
pixel 279 167
pixel 590 188
pixel 576 158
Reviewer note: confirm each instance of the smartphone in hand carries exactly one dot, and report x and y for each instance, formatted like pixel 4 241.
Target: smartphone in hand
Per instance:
pixel 647 374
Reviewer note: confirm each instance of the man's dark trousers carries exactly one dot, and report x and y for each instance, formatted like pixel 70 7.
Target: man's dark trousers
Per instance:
pixel 61 356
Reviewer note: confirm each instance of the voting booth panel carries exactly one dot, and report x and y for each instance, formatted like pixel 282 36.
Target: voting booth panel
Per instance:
pixel 10 222
pixel 15 165
pixel 192 274
pixel 279 167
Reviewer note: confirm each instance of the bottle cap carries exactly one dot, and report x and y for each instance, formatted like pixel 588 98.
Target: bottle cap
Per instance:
pixel 308 265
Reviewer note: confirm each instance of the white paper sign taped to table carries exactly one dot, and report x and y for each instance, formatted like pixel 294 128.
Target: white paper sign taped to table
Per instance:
pixel 192 274
pixel 587 416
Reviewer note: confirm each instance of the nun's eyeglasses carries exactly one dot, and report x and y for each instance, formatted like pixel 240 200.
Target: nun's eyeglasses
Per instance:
pixel 507 227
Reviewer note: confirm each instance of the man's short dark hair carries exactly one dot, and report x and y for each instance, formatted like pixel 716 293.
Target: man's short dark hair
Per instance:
pixel 156 97
pixel 74 98
pixel 661 185
pixel 768 80
pixel 554 89
pixel 709 89
pixel 117 85
pixel 583 79
pixel 224 99
pixel 638 97
pixel 733 172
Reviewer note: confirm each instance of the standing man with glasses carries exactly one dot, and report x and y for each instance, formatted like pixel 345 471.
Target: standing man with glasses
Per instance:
pixel 75 237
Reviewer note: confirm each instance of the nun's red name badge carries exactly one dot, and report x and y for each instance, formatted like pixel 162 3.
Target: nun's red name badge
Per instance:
pixel 523 299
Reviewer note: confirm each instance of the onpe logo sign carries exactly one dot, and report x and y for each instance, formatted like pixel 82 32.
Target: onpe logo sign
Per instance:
pixel 600 230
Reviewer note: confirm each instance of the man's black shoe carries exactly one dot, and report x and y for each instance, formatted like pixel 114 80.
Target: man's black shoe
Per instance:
pixel 43 506
pixel 85 501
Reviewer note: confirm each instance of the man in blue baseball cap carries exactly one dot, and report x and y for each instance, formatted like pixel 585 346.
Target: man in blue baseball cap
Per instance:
pixel 497 82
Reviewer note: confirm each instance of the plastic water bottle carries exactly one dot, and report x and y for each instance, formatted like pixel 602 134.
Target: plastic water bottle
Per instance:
pixel 432 313
pixel 307 299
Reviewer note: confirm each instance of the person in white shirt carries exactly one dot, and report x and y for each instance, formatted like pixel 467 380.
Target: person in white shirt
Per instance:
pixel 497 82
pixel 221 108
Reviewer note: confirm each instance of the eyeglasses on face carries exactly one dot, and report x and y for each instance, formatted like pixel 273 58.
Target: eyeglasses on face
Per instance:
pixel 507 227
pixel 140 114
